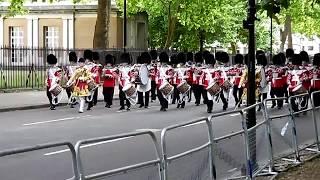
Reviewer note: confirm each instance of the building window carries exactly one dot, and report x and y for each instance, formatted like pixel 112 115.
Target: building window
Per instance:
pixel 310 48
pixel 51 37
pixel 16 41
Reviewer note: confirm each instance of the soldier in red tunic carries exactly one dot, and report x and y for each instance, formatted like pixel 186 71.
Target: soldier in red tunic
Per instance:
pixel 109 75
pixel 197 72
pixel 53 78
pixel 275 75
pixel 315 81
pixel 236 73
pixel 153 68
pixel 189 73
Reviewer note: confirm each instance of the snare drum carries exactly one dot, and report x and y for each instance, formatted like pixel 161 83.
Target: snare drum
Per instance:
pixel 226 85
pixel 92 86
pixel 299 90
pixel 129 90
pixel 166 89
pixel 183 87
pixel 55 90
pixel 213 89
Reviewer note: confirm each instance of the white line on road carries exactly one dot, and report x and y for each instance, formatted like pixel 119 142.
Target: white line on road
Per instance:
pixel 85 146
pixel 55 120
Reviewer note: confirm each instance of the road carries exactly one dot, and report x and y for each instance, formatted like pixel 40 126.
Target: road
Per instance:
pixel 30 127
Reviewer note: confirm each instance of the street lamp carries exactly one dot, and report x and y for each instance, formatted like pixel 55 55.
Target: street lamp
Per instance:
pixel 124 25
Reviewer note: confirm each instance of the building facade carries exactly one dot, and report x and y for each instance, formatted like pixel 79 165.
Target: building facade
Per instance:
pixel 64 25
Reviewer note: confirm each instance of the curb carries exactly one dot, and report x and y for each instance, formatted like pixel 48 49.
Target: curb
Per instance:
pixel 40 106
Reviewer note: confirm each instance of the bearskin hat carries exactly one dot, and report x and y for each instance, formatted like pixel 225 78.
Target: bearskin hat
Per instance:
pixel 181 58
pixel 246 59
pixel 218 55
pixel 95 56
pixel 238 59
pixel 163 57
pixel 81 60
pixel 87 54
pixel 258 52
pixel 262 60
pixel 51 59
pixel 283 58
pixel 125 58
pixel 73 56
pixel 198 57
pixel 145 58
pixel 154 54
pixel 109 59
pixel 296 59
pixel 210 59
pixel 190 56
pixel 316 59
pixel 173 59
pixel 224 57
pixel 276 59
pixel 304 56
pixel 289 53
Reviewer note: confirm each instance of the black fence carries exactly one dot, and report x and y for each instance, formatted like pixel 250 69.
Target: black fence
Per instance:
pixel 26 67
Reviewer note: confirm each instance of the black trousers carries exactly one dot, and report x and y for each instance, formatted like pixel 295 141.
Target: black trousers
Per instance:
pixel 68 91
pixel 237 93
pixel 146 98
pixel 197 91
pixel 50 98
pixel 190 92
pixel 163 101
pixel 224 100
pixel 264 96
pixel 278 92
pixel 175 94
pixel 286 92
pixel 153 90
pixel 95 97
pixel 123 98
pixel 303 103
pixel 316 97
pixel 108 95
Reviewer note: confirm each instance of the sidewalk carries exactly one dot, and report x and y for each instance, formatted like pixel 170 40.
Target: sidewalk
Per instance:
pixel 35 99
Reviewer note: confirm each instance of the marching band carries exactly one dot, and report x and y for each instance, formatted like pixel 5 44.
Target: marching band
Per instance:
pixel 173 79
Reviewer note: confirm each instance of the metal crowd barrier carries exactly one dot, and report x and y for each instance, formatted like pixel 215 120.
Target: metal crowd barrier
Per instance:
pixel 239 162
pixel 157 161
pixel 298 100
pixel 47 146
pixel 209 144
pixel 257 159
pixel 277 145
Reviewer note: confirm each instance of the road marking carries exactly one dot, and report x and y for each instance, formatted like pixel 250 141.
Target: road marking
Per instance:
pixel 87 145
pixel 55 120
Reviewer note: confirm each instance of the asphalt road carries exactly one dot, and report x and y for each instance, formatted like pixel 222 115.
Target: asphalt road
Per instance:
pixel 25 128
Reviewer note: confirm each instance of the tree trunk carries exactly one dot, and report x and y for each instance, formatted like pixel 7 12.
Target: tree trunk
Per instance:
pixel 172 21
pixel 284 33
pixel 289 33
pixel 201 39
pixel 234 48
pixel 101 33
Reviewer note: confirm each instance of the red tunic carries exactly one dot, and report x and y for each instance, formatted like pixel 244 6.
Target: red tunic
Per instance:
pixel 275 75
pixel 298 76
pixel 315 82
pixel 53 74
pixel 109 78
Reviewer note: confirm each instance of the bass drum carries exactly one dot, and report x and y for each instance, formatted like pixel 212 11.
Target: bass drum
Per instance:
pixel 183 87
pixel 144 75
pixel 213 89
pixel 166 89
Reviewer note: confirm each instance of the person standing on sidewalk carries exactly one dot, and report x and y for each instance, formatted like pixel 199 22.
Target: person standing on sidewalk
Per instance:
pixel 53 78
pixel 80 79
pixel 108 77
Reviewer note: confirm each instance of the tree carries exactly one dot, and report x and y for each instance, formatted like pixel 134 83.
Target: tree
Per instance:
pixel 101 33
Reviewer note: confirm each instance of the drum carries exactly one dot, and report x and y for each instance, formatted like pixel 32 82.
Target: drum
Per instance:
pixel 226 85
pixel 55 90
pixel 166 89
pixel 92 85
pixel 144 75
pixel 299 90
pixel 129 90
pixel 213 89
pixel 183 87
pixel 315 83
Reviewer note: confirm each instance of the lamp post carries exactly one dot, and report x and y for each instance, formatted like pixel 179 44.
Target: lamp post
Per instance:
pixel 251 97
pixel 124 25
